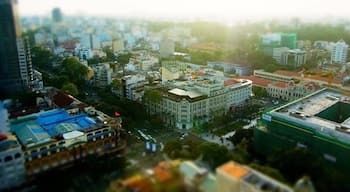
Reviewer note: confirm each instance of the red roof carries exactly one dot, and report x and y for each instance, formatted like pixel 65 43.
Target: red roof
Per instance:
pixel 3 137
pixel 287 73
pixel 62 100
pixel 281 84
pixel 230 82
pixel 257 81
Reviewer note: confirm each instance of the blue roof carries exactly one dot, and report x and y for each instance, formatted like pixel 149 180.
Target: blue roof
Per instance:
pixel 42 126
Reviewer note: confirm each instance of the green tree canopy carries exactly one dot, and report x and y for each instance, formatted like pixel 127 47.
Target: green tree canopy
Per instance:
pixel 75 71
pixel 70 88
pixel 152 96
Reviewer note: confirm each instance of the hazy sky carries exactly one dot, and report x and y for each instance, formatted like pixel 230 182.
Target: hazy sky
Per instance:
pixel 226 9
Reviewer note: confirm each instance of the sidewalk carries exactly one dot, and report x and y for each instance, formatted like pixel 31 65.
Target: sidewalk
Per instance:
pixel 215 139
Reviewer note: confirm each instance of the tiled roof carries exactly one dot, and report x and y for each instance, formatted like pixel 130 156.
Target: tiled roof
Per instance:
pixel 234 170
pixel 287 73
pixel 257 81
pixel 62 100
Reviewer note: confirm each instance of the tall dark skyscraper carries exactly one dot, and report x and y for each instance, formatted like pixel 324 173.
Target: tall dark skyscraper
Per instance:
pixel 56 15
pixel 10 32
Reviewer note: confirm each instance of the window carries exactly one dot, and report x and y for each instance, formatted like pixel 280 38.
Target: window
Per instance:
pixel 8 158
pixel 17 155
pixel 62 142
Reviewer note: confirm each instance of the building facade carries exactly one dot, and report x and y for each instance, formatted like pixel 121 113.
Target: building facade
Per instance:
pixel 318 122
pixel 340 52
pixel 10 74
pixel 12 164
pixel 185 107
pixel 235 177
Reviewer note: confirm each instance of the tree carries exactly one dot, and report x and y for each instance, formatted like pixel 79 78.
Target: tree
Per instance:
pixel 75 71
pixel 71 88
pixel 272 172
pixel 214 154
pixel 152 96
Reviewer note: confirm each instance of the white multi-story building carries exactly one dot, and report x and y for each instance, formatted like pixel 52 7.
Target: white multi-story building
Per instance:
pixel 278 52
pixel 133 86
pixel 12 169
pixel 340 52
pixel 187 106
pixel 295 57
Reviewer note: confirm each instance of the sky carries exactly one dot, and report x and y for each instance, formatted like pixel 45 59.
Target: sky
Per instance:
pixel 219 9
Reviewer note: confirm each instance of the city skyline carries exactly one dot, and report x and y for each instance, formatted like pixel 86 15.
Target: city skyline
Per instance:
pixel 216 10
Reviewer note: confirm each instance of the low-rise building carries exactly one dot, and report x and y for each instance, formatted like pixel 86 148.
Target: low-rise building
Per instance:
pixel 318 122
pixel 239 69
pixel 190 104
pixel 235 177
pixel 12 167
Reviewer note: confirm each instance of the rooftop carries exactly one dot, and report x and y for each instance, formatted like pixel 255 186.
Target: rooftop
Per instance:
pixel 41 127
pixel 183 93
pixel 325 112
pixel 234 170
pixel 252 177
pixel 257 80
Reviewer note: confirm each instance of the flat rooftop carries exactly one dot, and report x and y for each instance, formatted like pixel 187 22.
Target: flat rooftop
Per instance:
pixel 41 127
pixel 324 111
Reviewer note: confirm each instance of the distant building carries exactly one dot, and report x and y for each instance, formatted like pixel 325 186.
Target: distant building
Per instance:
pixel 291 91
pixel 57 15
pixel 102 74
pixel 295 58
pixel 273 76
pixel 118 45
pixel 95 42
pixel 278 52
pixel 340 52
pixel 85 53
pixel 25 61
pixel 167 48
pixel 133 86
pixel 318 122
pixel 229 67
pixel 276 40
pixel 239 178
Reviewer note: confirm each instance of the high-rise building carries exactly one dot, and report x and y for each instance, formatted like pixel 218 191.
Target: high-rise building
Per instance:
pixel 10 75
pixel 56 15
pixel 340 52
pixel 25 61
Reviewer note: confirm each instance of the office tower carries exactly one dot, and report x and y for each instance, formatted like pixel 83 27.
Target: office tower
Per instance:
pixel 10 76
pixel 56 15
